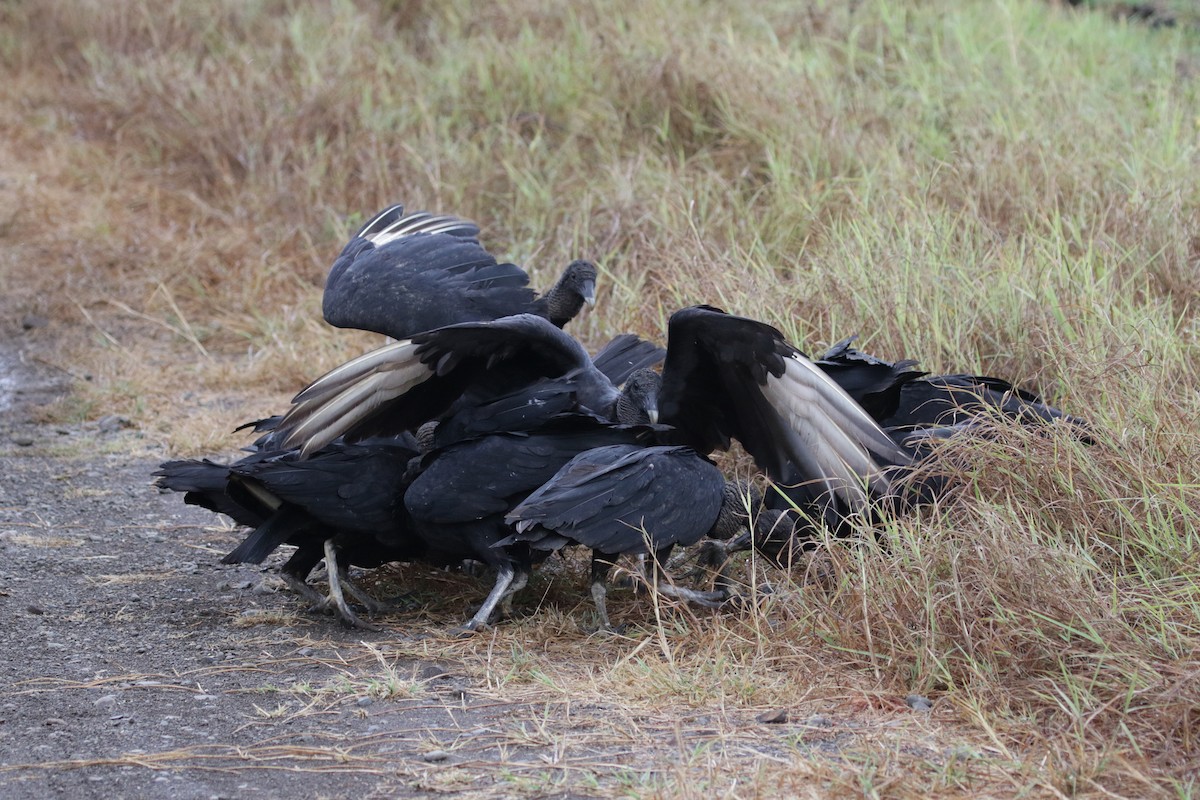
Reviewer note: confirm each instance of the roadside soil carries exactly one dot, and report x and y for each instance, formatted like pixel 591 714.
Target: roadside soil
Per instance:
pixel 136 665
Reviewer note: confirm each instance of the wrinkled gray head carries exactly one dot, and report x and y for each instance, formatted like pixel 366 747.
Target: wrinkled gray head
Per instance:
pixel 741 502
pixel 638 401
pixel 576 286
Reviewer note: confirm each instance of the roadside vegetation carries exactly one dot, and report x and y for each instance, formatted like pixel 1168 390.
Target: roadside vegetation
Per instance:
pixel 1010 188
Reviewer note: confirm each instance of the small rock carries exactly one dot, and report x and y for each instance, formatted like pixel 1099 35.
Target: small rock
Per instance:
pixel 776 717
pixel 106 700
pixel 113 423
pixel 52 721
pixel 306 652
pixel 34 610
pixel 918 703
pixel 433 672
pixel 31 321
pixel 21 440
pixel 819 721
pixel 433 756
pixel 364 701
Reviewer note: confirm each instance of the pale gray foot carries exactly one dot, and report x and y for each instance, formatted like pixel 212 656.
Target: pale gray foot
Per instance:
pixel 520 581
pixel 504 578
pixel 336 595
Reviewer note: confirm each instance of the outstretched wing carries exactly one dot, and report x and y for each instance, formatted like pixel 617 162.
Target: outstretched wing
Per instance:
pixel 402 385
pixel 613 499
pixel 731 377
pixel 404 274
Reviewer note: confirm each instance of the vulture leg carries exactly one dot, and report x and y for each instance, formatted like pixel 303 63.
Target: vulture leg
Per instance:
pixel 358 595
pixel 296 570
pixel 601 564
pixel 669 589
pixel 336 596
pixel 713 557
pixel 298 585
pixel 504 579
pixel 519 582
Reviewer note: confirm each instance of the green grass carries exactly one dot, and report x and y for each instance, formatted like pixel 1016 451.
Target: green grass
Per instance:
pixel 1006 187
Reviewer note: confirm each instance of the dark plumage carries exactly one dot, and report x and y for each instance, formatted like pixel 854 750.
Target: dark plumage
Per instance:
pixel 344 505
pixel 724 377
pixel 917 410
pixel 458 501
pixel 630 498
pixel 873 383
pixel 902 399
pixel 400 386
pixel 727 377
pixel 404 274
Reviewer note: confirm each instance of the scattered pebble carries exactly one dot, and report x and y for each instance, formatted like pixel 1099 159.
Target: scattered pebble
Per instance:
pixel 31 321
pixel 364 701
pixel 113 423
pixel 819 721
pixel 434 756
pixel 21 440
pixel 918 703
pixel 34 610
pixel 106 700
pixel 777 716
pixel 306 651
pixel 52 721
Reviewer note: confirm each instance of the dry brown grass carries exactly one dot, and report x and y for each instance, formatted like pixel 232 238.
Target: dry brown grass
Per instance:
pixel 1006 187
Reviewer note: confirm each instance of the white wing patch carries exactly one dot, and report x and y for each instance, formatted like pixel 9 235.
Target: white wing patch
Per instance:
pixel 839 441
pixel 343 397
pixel 421 222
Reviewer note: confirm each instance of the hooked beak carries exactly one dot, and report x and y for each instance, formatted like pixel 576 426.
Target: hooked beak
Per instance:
pixel 588 292
pixel 652 413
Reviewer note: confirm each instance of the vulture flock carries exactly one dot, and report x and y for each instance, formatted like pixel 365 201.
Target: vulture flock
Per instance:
pixel 485 433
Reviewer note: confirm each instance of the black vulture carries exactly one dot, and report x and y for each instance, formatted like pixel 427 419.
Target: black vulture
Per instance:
pixel 515 404
pixel 918 400
pixel 344 505
pixel 917 410
pixel 405 274
pixel 728 377
pixel 463 491
pixel 401 386
pixel 632 498
pixel 724 377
